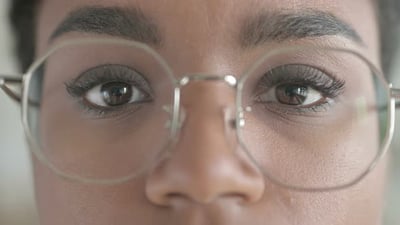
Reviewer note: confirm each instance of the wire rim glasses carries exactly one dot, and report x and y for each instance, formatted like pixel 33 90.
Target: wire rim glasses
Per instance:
pixel 281 166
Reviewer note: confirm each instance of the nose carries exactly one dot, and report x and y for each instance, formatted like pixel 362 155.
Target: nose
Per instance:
pixel 206 164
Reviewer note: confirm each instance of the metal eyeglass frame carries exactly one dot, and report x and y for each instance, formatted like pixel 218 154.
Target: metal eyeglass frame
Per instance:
pixel 175 123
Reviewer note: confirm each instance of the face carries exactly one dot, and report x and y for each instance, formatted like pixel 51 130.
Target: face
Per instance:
pixel 207 176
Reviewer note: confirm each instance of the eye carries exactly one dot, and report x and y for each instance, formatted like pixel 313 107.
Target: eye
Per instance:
pixel 293 95
pixel 114 94
pixel 298 87
pixel 110 90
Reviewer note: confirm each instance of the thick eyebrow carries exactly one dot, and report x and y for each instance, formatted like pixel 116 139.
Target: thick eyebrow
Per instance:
pixel 126 23
pixel 278 26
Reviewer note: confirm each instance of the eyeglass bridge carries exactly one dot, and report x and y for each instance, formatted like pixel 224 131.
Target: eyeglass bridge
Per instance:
pixel 229 79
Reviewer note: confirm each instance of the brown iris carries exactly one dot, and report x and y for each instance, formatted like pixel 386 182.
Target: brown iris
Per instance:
pixel 291 94
pixel 116 93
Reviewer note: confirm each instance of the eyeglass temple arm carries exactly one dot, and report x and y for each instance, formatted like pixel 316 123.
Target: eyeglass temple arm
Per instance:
pixel 5 81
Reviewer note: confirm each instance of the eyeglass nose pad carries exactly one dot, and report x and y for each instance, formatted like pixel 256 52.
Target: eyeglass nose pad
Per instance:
pixel 239 120
pixel 234 120
pixel 231 123
pixel 169 123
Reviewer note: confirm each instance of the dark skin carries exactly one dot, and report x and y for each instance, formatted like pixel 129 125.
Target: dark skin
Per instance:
pixel 204 183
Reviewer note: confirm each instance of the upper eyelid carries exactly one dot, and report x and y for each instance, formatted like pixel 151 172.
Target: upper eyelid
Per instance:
pixel 317 80
pixel 274 75
pixel 97 76
pixel 115 70
pixel 302 69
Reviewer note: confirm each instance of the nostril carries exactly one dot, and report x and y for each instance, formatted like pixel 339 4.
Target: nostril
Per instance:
pixel 168 191
pixel 204 179
pixel 175 196
pixel 237 197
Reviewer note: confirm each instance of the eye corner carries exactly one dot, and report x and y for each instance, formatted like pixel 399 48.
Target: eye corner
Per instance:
pixel 74 90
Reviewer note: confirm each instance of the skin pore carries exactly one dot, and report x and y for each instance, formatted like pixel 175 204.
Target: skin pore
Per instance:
pixel 204 182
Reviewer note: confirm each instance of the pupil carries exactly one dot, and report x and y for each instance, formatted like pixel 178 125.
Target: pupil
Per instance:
pixel 116 93
pixel 290 94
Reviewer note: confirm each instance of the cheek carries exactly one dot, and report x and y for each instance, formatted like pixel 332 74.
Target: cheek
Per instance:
pixel 319 156
pixel 360 204
pixel 64 202
pixel 301 158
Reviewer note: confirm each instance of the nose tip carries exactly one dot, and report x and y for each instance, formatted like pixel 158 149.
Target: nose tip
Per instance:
pixel 204 182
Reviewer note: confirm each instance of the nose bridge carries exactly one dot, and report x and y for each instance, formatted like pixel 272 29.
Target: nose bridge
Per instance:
pixel 209 109
pixel 205 164
pixel 208 94
pixel 207 98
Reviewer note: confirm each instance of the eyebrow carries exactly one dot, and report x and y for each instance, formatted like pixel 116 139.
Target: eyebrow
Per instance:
pixel 126 23
pixel 278 26
pixel 132 23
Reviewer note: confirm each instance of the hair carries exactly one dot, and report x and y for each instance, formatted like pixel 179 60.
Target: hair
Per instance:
pixel 23 17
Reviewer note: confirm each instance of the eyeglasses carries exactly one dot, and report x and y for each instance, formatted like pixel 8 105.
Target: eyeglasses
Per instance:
pixel 105 110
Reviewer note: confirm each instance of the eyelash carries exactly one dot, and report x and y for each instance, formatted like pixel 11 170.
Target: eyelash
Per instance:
pixel 93 77
pixel 329 86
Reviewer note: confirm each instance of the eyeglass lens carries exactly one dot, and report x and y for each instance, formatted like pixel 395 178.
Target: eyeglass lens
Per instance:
pixel 97 110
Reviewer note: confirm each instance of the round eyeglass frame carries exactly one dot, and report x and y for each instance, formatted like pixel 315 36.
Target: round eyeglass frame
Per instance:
pixel 392 94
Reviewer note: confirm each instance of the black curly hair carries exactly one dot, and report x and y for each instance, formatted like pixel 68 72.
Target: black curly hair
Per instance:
pixel 22 17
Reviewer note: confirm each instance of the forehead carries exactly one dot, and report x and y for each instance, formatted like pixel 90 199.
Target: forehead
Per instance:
pixel 202 26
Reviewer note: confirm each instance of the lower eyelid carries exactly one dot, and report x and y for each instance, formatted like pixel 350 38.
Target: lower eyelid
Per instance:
pixel 110 113
pixel 299 111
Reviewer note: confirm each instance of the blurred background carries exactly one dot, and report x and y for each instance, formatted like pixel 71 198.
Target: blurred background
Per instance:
pixel 17 205
pixel 16 190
